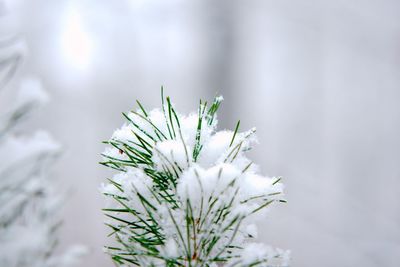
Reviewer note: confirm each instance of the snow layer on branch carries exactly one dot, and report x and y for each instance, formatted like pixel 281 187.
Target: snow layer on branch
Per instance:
pixel 197 183
pixel 124 134
pixel 29 95
pixel 171 154
pixel 216 148
pixel 15 149
pixel 189 129
pixel 31 91
pixel 129 184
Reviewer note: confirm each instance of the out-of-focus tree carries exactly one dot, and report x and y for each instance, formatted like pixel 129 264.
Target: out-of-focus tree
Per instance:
pixel 29 199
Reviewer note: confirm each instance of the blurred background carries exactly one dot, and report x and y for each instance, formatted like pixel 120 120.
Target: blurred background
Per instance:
pixel 319 79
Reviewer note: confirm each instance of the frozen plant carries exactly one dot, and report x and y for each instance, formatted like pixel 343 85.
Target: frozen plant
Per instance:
pixel 29 201
pixel 185 194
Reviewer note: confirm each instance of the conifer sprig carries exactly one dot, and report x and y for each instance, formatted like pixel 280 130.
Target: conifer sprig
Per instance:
pixel 184 194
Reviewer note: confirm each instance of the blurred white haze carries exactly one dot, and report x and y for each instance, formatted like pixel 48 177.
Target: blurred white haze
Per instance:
pixel 319 79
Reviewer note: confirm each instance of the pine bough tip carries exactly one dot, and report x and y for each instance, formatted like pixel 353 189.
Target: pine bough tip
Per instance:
pixel 184 193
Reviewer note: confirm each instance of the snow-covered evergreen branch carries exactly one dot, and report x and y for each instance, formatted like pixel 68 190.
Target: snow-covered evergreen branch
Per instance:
pixel 29 201
pixel 186 194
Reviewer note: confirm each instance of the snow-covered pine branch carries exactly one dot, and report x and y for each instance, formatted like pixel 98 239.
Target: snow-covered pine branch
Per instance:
pixel 185 194
pixel 29 201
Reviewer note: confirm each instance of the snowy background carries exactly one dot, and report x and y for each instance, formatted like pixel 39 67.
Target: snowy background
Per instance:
pixel 319 79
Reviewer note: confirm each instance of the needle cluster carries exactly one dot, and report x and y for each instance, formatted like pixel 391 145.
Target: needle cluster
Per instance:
pixel 184 193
